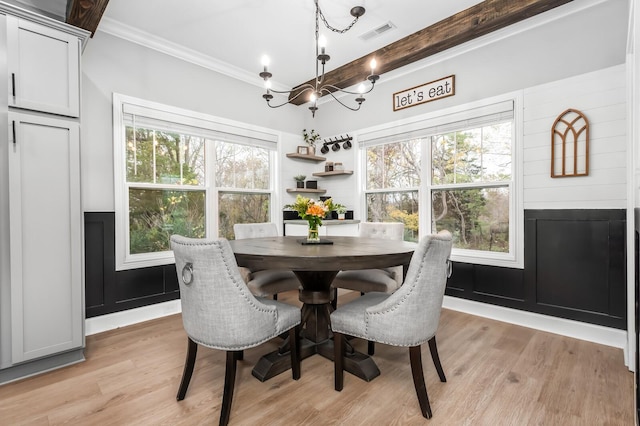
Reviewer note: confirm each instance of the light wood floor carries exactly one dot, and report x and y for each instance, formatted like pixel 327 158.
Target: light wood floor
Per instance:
pixel 498 374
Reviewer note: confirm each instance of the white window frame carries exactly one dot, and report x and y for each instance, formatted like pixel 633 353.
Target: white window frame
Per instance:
pixel 124 259
pixel 386 132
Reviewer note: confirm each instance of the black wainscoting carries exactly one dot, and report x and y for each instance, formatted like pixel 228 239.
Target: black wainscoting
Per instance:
pixel 108 290
pixel 574 268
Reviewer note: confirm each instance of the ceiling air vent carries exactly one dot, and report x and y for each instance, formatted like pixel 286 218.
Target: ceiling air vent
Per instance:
pixel 377 31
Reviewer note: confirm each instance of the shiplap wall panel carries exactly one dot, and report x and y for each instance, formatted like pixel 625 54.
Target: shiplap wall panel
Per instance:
pixel 601 96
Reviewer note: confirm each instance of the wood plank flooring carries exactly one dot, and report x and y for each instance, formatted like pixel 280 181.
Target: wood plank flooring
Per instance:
pixel 498 374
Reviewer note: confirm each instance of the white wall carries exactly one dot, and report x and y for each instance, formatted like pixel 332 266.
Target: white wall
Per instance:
pixel 111 64
pixel 601 97
pixel 583 36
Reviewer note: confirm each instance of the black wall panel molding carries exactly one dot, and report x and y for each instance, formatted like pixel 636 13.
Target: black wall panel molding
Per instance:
pixel 574 268
pixel 108 290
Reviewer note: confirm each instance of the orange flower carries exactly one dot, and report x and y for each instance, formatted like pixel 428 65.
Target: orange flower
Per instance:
pixel 315 210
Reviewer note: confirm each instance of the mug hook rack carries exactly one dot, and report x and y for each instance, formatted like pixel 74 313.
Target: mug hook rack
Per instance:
pixel 335 143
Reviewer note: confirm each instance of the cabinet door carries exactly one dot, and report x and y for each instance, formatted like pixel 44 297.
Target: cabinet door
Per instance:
pixel 43 68
pixel 45 236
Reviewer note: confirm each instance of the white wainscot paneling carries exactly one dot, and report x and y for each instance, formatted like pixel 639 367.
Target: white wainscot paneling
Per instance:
pixel 601 96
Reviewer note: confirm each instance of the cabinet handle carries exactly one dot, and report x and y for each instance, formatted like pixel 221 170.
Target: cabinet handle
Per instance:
pixel 13 130
pixel 13 84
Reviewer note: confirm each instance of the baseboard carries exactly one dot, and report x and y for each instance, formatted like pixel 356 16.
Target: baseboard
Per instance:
pixel 132 316
pixel 564 327
pixel 575 329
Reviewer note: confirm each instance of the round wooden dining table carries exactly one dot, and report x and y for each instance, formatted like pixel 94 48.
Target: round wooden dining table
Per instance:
pixel 316 265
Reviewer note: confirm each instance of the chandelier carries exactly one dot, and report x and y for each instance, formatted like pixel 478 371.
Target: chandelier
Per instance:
pixel 319 88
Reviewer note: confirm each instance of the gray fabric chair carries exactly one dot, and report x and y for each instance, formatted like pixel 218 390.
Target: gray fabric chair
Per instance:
pixel 268 282
pixel 219 311
pixel 408 317
pixel 385 280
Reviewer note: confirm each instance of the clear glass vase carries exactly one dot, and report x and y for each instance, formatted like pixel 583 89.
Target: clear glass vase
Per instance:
pixel 313 236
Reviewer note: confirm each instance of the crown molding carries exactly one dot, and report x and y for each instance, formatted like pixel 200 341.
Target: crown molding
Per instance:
pixel 142 38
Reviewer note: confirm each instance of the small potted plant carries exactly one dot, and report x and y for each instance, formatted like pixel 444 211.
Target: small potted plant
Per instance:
pixel 310 138
pixel 299 180
pixel 341 210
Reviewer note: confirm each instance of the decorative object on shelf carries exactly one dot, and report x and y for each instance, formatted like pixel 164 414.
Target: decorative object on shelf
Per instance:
pixel 338 167
pixel 310 138
pixel 303 150
pixel 319 89
pixel 328 166
pixel 340 210
pixel 335 143
pixel 570 145
pixel 299 180
pixel 313 211
pixel 312 184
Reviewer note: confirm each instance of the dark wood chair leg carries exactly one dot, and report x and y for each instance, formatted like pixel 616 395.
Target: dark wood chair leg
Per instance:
pixel 192 349
pixel 229 382
pixel 334 301
pixel 294 343
pixel 275 296
pixel 418 380
pixel 436 359
pixel 371 347
pixel 239 355
pixel 338 360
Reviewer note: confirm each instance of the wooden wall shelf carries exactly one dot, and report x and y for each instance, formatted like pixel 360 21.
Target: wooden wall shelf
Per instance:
pixel 334 173
pixel 308 190
pixel 307 157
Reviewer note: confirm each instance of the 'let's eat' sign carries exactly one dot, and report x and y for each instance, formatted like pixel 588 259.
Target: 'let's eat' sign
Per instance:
pixel 427 92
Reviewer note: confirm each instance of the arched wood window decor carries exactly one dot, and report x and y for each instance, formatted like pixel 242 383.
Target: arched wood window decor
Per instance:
pixel 570 145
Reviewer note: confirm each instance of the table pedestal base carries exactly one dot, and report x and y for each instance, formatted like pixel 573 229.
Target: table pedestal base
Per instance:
pixel 316 333
pixel 276 362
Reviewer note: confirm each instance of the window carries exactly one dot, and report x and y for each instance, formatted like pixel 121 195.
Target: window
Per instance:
pixel 180 172
pixel 392 183
pixel 469 184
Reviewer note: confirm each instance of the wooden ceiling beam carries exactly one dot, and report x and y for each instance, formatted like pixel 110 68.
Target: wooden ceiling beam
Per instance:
pixel 474 22
pixel 85 13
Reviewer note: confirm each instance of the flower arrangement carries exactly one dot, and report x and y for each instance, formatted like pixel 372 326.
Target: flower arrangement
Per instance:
pixel 313 211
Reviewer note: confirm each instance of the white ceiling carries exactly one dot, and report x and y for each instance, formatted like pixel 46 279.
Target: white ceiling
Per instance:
pixel 239 32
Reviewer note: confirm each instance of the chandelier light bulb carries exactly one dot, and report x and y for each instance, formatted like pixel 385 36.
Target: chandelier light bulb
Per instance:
pixel 265 61
pixel 267 84
pixel 361 88
pixel 322 43
pixel 373 64
pixel 312 97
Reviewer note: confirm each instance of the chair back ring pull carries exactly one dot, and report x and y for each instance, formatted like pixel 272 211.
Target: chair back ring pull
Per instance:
pixel 187 273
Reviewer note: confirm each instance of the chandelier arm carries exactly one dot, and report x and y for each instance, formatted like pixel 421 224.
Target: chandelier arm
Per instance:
pixel 301 89
pixel 326 88
pixel 345 105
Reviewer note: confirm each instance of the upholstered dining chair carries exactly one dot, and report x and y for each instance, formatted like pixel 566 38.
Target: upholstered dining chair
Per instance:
pixel 219 311
pixel 408 317
pixel 268 282
pixel 385 280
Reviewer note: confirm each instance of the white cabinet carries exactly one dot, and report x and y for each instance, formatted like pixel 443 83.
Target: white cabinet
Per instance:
pixel 41 222
pixel 43 68
pixel 45 236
